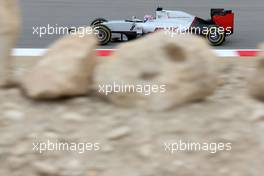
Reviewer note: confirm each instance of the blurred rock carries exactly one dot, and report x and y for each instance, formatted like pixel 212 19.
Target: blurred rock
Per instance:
pixel 65 70
pixel 119 133
pixel 257 81
pixel 184 65
pixel 9 29
pixel 73 117
pixel 42 168
pixel 14 115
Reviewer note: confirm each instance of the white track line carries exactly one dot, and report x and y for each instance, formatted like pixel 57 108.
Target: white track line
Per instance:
pixel 39 52
pixel 226 53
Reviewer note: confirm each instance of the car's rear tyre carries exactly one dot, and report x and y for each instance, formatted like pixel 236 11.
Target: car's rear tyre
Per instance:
pixel 215 36
pixel 104 34
pixel 98 21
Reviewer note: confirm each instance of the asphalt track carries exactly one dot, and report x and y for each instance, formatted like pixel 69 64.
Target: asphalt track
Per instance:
pixel 248 31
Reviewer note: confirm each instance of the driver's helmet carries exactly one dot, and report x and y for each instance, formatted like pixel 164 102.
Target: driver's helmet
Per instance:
pixel 148 18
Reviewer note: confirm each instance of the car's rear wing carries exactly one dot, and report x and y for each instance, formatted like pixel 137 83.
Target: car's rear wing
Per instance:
pixel 223 18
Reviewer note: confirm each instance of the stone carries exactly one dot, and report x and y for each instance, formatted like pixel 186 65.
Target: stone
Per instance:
pixel 256 82
pixel 119 133
pixel 73 117
pixel 10 24
pixel 65 70
pixel 14 115
pixel 182 68
pixel 42 168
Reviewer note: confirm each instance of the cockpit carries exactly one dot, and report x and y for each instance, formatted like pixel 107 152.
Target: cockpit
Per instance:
pixel 168 14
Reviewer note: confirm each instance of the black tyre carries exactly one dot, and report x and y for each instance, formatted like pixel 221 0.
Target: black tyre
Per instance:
pixel 215 36
pixel 98 21
pixel 104 34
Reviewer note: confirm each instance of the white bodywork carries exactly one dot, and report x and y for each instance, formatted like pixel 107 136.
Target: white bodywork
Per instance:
pixel 165 19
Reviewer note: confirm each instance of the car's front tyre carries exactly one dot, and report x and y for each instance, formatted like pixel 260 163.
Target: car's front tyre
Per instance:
pixel 98 21
pixel 103 34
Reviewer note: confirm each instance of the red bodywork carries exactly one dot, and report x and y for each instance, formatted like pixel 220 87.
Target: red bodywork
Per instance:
pixel 226 20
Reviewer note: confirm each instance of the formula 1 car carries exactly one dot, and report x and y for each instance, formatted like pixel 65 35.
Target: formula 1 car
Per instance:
pixel 216 29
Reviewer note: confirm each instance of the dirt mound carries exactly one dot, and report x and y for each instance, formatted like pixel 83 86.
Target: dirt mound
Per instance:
pixel 132 141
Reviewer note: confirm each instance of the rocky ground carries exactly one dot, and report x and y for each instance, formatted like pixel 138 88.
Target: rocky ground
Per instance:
pixel 132 139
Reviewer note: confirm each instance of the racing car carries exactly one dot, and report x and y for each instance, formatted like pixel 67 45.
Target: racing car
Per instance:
pixel 215 29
